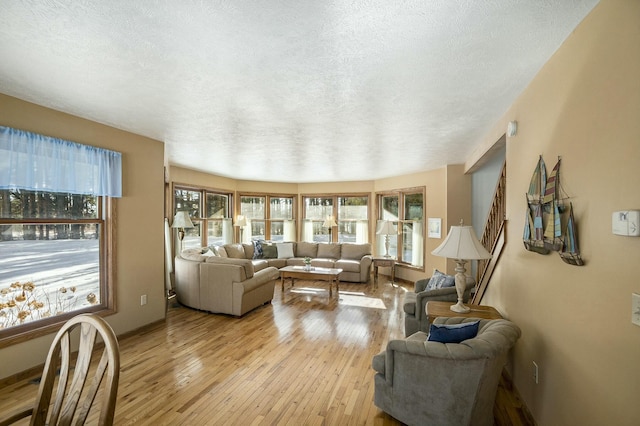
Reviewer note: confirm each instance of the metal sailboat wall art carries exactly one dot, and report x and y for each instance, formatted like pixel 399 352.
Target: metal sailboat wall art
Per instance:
pixel 533 236
pixel 543 230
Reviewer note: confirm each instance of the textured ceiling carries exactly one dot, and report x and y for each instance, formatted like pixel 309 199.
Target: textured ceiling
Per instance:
pixel 286 91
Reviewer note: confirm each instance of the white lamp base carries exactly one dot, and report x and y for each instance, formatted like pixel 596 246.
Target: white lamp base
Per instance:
pixel 460 308
pixel 461 283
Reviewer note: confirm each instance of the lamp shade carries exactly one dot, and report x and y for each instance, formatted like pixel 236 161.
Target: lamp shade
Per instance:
pixel 462 243
pixel 387 228
pixel 241 220
pixel 329 222
pixel 182 220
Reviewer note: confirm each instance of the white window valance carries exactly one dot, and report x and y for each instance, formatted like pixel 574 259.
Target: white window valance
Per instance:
pixel 42 163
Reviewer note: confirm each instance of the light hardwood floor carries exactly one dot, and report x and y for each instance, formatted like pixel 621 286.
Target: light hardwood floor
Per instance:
pixel 305 359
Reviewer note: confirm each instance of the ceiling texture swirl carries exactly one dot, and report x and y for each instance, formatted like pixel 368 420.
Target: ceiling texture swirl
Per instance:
pixel 286 91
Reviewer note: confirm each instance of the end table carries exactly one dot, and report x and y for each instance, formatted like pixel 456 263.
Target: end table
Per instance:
pixel 436 309
pixel 384 262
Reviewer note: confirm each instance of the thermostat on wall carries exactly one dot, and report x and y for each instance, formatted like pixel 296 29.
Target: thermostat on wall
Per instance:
pixel 626 223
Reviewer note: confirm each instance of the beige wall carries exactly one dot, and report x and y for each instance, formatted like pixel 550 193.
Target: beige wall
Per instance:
pixel 583 106
pixel 139 234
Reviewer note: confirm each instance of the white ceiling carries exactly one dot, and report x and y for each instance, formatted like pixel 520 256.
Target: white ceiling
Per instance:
pixel 286 91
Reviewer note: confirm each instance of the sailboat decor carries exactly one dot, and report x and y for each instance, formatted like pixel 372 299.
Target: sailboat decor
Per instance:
pixel 533 227
pixel 546 211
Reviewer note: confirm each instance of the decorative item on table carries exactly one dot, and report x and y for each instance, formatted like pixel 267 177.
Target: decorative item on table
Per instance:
pixel 307 263
pixel 461 244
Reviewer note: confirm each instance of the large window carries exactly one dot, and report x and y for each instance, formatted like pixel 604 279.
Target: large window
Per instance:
pixel 56 245
pixel 336 218
pixel 268 217
pixel 210 213
pixel 405 209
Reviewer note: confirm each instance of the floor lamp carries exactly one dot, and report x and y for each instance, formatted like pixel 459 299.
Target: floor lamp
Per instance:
pixel 181 221
pixel 241 222
pixel 329 222
pixel 461 245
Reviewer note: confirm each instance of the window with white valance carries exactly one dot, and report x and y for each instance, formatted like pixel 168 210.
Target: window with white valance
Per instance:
pixel 35 162
pixel 57 203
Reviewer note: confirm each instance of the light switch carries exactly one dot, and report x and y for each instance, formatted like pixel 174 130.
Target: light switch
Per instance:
pixel 635 308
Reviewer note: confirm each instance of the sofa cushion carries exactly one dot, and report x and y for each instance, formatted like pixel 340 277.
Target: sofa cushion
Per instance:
pixel 453 333
pixel 245 263
pixel 440 280
pixel 269 251
pixel 285 250
pixel 329 251
pixel 355 251
pixel 235 251
pixel 305 249
pixel 348 265
pixel 221 251
pixel 259 264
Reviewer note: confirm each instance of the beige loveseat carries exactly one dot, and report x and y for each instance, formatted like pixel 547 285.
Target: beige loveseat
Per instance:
pixel 222 285
pixel 354 259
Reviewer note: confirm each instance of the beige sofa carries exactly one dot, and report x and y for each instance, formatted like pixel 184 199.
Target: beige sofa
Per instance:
pixel 222 285
pixel 236 278
pixel 354 259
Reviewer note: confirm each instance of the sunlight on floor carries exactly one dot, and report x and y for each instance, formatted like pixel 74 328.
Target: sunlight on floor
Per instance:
pixel 359 299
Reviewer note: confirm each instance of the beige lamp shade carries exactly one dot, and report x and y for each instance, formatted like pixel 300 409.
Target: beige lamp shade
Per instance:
pixel 387 228
pixel 241 220
pixel 181 220
pixel 329 222
pixel 462 243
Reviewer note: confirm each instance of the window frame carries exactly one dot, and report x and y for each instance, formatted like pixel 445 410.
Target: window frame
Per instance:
pixel 267 220
pixel 201 223
pixel 335 236
pixel 401 195
pixel 108 282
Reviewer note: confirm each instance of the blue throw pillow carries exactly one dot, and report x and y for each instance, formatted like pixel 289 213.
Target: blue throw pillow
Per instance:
pixel 257 249
pixel 440 280
pixel 453 333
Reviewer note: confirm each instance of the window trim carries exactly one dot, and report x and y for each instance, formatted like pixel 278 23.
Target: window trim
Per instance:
pixel 203 190
pixel 401 193
pixel 108 279
pixel 267 210
pixel 334 209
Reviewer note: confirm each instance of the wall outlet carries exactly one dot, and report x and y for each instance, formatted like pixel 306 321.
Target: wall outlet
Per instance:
pixel 535 372
pixel 143 300
pixel 635 308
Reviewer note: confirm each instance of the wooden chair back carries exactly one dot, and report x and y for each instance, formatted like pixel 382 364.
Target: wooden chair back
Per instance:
pixel 74 400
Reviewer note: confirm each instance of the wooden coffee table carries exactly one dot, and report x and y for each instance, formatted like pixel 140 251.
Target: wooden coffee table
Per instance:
pixel 315 274
pixel 436 309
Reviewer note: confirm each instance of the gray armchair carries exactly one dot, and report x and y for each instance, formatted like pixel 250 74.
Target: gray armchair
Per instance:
pixel 429 383
pixel 414 303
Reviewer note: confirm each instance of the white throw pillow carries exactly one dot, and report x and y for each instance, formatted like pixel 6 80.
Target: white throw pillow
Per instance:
pixel 285 250
pixel 208 253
